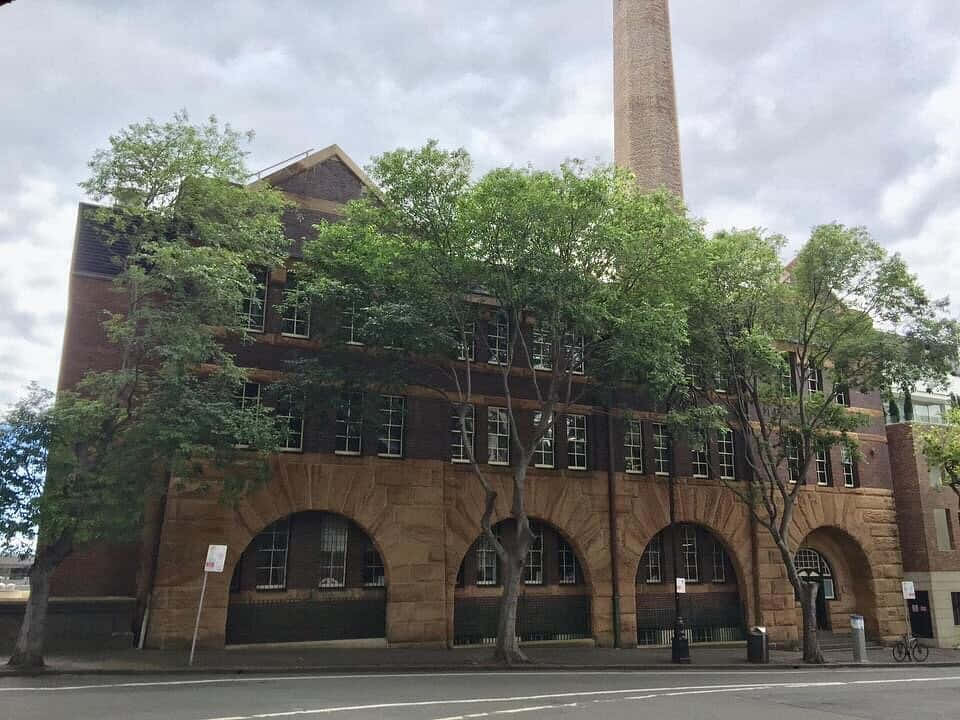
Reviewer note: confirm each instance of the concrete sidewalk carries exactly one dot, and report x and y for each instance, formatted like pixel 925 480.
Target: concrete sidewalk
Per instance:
pixel 336 659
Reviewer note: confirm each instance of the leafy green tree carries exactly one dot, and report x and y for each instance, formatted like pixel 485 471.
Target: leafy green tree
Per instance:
pixel 940 444
pixel 764 334
pixel 185 233
pixel 546 288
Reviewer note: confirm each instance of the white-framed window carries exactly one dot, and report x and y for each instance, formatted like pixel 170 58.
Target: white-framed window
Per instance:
pixel 577 442
pixel 822 462
pixel 272 545
pixel 390 440
pixel 815 380
pixel 351 323
pixel 812 567
pixel 333 552
pixel 719 562
pixel 574 347
pixel 842 393
pixel 249 398
pixel 498 339
pixel 373 574
pixel 350 424
pixel 633 447
pixel 289 416
pixel 253 309
pixel 466 346
pixel 296 310
pixel 459 442
pixel 849 472
pixel 567 562
pixel 486 561
pixel 661 449
pixel 788 378
pixel 543 455
pixel 688 553
pixel 719 381
pixel 651 563
pixel 542 349
pixel 793 460
pixel 533 571
pixel 498 436
pixel 726 454
pixel 698 454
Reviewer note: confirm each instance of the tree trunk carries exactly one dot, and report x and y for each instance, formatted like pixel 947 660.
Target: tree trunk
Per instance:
pixel 811 641
pixel 28 651
pixel 508 645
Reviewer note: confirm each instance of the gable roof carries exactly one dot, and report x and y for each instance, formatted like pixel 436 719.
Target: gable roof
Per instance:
pixel 281 177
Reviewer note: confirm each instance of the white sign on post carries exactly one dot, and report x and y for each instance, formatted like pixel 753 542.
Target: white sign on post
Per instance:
pixel 909 592
pixel 681 585
pixel 216 557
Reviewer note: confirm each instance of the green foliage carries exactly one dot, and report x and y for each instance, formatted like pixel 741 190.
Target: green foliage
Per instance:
pixel 940 444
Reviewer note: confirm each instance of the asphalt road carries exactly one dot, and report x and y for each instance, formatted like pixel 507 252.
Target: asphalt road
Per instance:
pixel 878 694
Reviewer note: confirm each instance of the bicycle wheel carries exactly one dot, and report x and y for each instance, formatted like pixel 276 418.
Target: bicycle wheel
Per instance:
pixel 919 652
pixel 899 651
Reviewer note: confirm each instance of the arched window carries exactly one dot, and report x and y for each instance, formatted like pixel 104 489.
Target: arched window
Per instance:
pixel 812 566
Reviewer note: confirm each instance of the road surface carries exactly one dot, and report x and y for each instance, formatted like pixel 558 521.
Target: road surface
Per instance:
pixel 879 694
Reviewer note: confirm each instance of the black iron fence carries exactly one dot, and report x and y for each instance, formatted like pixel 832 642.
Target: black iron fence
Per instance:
pixel 264 621
pixel 539 617
pixel 708 617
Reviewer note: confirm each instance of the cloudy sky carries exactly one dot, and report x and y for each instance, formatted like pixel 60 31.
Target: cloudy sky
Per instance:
pixel 791 113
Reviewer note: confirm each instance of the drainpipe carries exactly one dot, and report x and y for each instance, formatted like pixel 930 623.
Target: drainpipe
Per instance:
pixel 614 543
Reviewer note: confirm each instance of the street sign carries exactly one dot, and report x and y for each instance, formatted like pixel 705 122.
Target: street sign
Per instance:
pixel 909 593
pixel 216 557
pixel 681 585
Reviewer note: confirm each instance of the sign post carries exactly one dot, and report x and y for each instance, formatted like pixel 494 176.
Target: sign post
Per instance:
pixel 909 593
pixel 216 557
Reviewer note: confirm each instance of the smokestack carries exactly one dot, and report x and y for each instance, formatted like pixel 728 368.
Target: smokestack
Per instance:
pixel 645 135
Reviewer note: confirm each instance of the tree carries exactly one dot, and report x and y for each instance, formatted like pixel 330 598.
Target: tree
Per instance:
pixel 564 282
pixel 762 334
pixel 940 444
pixel 185 234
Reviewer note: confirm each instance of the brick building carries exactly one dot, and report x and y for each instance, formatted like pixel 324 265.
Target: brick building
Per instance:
pixel 372 531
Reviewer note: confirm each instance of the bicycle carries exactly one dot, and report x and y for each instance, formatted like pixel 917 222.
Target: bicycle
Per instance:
pixel 909 646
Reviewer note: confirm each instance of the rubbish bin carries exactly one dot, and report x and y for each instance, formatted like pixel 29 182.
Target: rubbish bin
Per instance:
pixel 758 646
pixel 859 639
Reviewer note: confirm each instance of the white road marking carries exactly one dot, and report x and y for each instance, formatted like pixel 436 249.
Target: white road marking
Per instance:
pixel 407 675
pixel 660 691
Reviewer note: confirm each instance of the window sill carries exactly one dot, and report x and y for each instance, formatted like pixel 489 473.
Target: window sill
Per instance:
pixel 498 463
pixel 295 335
pixel 634 472
pixel 352 342
pixel 698 476
pixel 390 456
pixel 269 588
pixel 728 477
pixel 661 473
pixel 291 450
pixel 576 467
pixel 258 331
pixel 460 461
pixel 544 467
pixel 347 453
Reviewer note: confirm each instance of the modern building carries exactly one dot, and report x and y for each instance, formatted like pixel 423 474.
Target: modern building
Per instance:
pixel 372 531
pixel 928 514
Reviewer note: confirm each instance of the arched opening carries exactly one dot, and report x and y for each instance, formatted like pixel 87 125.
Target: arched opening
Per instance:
pixel 836 561
pixel 554 599
pixel 310 576
pixel 711 605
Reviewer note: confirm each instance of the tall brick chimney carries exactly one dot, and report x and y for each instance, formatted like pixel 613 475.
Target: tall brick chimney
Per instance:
pixel 645 136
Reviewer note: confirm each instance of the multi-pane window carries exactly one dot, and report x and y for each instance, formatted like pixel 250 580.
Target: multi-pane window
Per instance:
pixel 577 442
pixel 350 424
pixel 373 575
pixel 719 381
pixel 272 546
pixel 719 563
pixel 567 562
pixel 460 441
pixel 574 347
pixel 542 349
pixel 788 378
pixel 248 398
pixel 296 310
pixel 811 566
pixel 333 552
pixel 533 571
pixel 253 307
pixel 486 562
pixel 815 380
pixel 351 322
pixel 498 339
pixel 842 394
pixel 390 440
pixel 698 454
pixel 465 343
pixel 661 449
pixel 688 553
pixel 651 562
pixel 289 416
pixel 543 452
pixel 633 447
pixel 793 460
pixel 822 463
pixel 725 454
pixel 498 436
pixel 849 472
